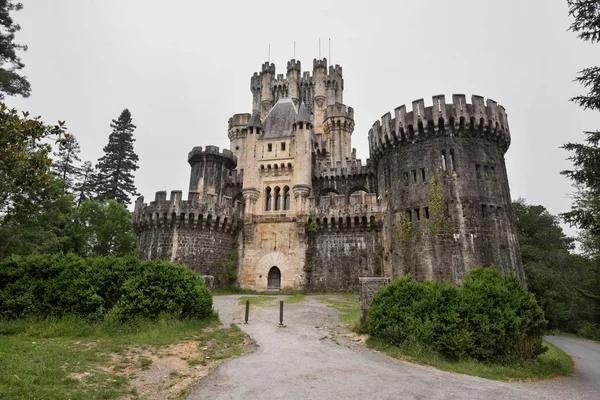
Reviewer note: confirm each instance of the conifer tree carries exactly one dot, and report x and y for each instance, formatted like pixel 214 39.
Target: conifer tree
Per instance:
pixel 11 83
pixel 64 163
pixel 85 187
pixel 116 167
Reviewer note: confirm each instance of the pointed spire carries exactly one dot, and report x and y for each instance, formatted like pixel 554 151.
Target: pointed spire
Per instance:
pixel 303 115
pixel 255 121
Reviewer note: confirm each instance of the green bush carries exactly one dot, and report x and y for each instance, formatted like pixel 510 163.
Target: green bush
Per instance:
pixel 490 318
pixel 124 287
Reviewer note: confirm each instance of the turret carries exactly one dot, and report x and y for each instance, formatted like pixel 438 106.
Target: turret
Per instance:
pixel 266 97
pixel 303 156
pixel 237 136
pixel 338 126
pixel 293 78
pixel 210 170
pixel 319 79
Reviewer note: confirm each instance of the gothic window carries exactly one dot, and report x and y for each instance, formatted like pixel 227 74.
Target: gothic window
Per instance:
pixel 452 160
pixel 268 199
pixel 286 198
pixel 277 199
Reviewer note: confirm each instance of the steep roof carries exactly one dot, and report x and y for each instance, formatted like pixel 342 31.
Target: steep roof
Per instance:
pixel 280 119
pixel 254 121
pixel 302 114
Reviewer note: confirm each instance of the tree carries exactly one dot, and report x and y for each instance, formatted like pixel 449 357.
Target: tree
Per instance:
pixel 116 167
pixel 64 164
pixel 100 227
pixel 585 211
pixel 84 188
pixel 11 83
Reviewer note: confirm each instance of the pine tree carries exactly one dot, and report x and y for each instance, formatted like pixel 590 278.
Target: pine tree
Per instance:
pixel 116 167
pixel 64 163
pixel 85 187
pixel 11 83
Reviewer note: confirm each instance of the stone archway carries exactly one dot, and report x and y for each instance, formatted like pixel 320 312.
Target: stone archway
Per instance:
pixel 266 264
pixel 274 279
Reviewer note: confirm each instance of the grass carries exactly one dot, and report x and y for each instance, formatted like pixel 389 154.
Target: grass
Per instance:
pixel 551 364
pixel 349 307
pixel 70 358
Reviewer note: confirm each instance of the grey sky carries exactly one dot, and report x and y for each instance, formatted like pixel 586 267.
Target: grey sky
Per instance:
pixel 183 68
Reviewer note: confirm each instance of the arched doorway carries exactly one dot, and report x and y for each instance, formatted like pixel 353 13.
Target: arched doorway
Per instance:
pixel 274 279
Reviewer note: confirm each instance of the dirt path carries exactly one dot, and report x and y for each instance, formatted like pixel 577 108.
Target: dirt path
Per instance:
pixel 313 358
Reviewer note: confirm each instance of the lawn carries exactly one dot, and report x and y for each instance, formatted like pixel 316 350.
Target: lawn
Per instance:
pixel 73 359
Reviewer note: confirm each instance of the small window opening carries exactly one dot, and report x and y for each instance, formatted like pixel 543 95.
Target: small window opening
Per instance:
pixel 426 212
pixel 486 172
pixel 423 176
pixel 406 179
pixel 277 199
pixel 282 146
pixel 478 171
pixel 409 215
pixel 286 198
pixel 484 212
pixel 414 175
pixel 270 147
pixel 452 160
pixel 444 165
pixel 417 214
pixel 493 173
pixel 268 199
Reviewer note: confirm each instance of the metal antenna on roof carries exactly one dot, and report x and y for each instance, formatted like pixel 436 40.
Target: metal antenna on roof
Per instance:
pixel 294 49
pixel 319 48
pixel 269 54
pixel 330 51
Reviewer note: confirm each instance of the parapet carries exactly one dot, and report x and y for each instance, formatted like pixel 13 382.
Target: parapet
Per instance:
pixel 240 120
pixel 479 118
pixel 212 151
pixel 335 70
pixel 318 64
pixel 339 212
pixel 210 213
pixel 325 170
pixel 268 68
pixel 294 65
pixel 339 111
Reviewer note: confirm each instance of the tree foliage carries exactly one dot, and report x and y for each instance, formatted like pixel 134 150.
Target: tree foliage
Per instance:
pixel 11 83
pixel 64 164
pixel 85 187
pixel 116 167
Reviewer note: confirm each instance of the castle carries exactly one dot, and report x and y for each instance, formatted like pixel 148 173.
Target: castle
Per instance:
pixel 289 206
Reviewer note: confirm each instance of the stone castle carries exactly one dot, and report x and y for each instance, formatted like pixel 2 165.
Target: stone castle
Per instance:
pixel 289 206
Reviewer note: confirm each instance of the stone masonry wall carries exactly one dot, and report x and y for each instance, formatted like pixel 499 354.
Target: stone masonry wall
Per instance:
pixel 339 257
pixel 199 249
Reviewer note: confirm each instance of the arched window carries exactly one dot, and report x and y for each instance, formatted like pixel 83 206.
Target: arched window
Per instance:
pixel 268 199
pixel 277 199
pixel 444 166
pixel 286 198
pixel 452 160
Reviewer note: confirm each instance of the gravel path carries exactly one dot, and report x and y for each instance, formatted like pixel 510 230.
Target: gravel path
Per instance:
pixel 313 357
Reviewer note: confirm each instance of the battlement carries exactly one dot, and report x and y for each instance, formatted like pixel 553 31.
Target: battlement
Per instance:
pixel 339 111
pixel 320 64
pixel 294 65
pixel 268 68
pixel 213 151
pixel 335 70
pixel 338 212
pixel 479 118
pixel 325 169
pixel 210 213
pixel 238 120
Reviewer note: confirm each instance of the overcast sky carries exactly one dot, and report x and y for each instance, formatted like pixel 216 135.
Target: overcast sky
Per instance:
pixel 183 68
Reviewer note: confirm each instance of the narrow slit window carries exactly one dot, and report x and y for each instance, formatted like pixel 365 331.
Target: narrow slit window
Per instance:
pixel 478 171
pixel 452 160
pixel 414 175
pixel 277 199
pixel 486 172
pixel 493 173
pixel 406 179
pixel 286 198
pixel 426 212
pixel 409 215
pixel 423 176
pixel 268 199
pixel 484 211
pixel 444 165
pixel 417 214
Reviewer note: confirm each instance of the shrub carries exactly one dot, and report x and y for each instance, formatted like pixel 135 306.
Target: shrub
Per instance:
pixel 491 318
pixel 59 285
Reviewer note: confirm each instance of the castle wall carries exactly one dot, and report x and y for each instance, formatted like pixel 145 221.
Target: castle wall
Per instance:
pixel 336 258
pixel 203 250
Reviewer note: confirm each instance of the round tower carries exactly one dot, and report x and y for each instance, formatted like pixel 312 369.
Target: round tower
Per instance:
pixel 266 96
pixel 444 189
pixel 237 136
pixel 338 126
pixel 319 82
pixel 210 170
pixel 294 70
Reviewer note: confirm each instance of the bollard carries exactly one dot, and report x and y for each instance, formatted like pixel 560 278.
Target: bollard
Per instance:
pixel 247 310
pixel 281 312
